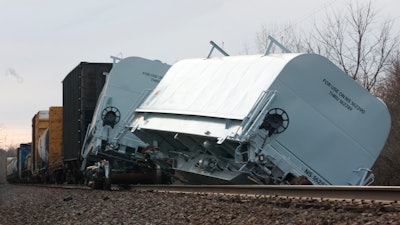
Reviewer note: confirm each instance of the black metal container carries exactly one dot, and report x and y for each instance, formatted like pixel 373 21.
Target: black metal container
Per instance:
pixel 81 88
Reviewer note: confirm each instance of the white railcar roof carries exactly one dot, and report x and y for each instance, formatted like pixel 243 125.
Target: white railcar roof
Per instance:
pixel 225 87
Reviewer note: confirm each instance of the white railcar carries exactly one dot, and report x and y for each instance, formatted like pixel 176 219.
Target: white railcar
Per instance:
pixel 109 147
pixel 275 119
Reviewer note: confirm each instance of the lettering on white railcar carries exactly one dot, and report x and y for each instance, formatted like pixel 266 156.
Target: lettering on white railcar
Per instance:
pixel 314 178
pixel 154 77
pixel 342 98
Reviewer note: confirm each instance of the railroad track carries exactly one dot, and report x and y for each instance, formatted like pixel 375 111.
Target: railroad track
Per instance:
pixel 371 193
pixel 205 204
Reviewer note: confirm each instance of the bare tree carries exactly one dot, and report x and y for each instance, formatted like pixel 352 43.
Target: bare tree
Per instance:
pixel 386 167
pixel 3 166
pixel 287 35
pixel 352 41
pixel 11 152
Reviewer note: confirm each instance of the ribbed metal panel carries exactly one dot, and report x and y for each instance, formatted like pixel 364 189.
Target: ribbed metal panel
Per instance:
pixel 81 88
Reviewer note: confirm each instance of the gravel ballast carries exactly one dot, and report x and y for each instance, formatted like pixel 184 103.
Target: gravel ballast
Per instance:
pixel 38 205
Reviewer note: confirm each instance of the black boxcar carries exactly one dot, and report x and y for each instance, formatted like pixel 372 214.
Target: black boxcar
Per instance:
pixel 81 88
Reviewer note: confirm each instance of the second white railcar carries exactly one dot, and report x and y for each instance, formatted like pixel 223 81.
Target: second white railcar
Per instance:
pixel 274 119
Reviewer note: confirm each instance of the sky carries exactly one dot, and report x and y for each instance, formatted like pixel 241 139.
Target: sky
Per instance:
pixel 42 41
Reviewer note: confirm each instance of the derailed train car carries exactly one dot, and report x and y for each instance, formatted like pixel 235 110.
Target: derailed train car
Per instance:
pixel 57 132
pixel 110 152
pixel 263 119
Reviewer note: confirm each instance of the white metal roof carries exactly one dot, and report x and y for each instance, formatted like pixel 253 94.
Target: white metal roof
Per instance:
pixel 209 87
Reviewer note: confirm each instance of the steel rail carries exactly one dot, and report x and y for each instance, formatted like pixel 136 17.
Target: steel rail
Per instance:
pixel 60 186
pixel 378 193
